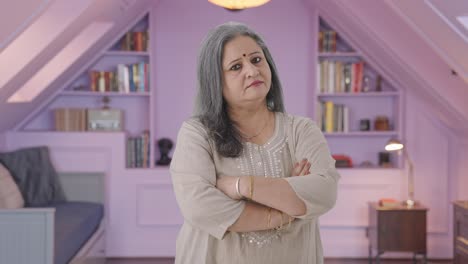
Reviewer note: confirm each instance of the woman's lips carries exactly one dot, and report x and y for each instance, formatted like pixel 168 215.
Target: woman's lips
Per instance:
pixel 255 83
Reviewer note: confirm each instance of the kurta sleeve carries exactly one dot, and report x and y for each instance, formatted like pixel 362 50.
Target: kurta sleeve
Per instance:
pixel 194 180
pixel 318 190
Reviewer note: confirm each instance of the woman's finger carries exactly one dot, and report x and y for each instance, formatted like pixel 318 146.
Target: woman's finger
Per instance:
pixel 305 169
pixel 298 167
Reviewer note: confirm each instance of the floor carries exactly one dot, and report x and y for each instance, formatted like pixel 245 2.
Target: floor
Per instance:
pixel 327 261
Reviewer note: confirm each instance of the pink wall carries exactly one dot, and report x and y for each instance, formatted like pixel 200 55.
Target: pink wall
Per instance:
pixel 2 142
pixel 460 168
pixel 177 42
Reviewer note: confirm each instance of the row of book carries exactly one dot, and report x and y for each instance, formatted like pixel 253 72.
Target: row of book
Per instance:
pixel 340 77
pixel 70 119
pixel 138 151
pixel 327 41
pixel 88 119
pixel 126 78
pixel 332 117
pixel 134 41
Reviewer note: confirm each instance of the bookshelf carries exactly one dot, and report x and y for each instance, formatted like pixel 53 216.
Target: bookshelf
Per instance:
pixel 119 74
pixel 356 108
pixel 140 203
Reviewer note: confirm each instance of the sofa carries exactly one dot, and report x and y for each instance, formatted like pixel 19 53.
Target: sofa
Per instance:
pixel 38 222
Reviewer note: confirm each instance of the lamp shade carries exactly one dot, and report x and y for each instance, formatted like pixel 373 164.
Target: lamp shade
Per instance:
pixel 394 145
pixel 238 4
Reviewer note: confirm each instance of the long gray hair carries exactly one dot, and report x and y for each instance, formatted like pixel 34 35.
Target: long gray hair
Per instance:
pixel 210 106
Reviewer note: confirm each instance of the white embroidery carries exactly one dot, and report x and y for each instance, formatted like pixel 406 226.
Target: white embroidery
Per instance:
pixel 250 161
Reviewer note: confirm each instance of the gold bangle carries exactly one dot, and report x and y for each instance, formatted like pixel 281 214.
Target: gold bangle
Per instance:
pixel 251 187
pixel 281 225
pixel 238 190
pixel 269 218
pixel 289 222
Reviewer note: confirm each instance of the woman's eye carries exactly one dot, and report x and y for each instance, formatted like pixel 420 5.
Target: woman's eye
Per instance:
pixel 256 60
pixel 235 67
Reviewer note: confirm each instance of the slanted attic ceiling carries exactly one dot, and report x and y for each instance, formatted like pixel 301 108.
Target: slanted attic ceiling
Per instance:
pixel 53 38
pixel 404 55
pixel 391 33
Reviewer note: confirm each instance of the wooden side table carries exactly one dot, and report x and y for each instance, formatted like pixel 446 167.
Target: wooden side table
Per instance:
pixel 397 228
pixel 460 232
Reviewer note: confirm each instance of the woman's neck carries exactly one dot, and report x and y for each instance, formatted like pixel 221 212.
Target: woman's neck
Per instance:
pixel 252 123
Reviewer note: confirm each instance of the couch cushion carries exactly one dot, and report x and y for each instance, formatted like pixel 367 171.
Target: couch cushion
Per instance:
pixel 75 223
pixel 10 196
pixel 35 175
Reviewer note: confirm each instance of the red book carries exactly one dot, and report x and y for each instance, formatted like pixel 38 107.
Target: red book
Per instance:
pixel 93 80
pixel 137 38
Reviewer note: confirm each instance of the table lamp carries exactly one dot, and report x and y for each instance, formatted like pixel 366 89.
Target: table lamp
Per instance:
pixel 396 145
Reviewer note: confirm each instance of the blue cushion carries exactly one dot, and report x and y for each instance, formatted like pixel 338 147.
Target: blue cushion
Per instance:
pixel 35 175
pixel 75 223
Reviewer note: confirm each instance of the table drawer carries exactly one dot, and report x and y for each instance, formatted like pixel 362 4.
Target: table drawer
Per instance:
pixel 461 224
pixel 461 251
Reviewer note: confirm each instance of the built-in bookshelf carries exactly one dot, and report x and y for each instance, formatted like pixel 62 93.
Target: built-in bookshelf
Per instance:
pixel 356 108
pixel 114 89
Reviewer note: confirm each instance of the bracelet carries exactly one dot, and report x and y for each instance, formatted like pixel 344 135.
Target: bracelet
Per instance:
pixel 237 188
pixel 269 218
pixel 278 228
pixel 251 187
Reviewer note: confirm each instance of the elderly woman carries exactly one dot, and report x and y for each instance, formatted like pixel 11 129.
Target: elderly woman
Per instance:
pixel 250 180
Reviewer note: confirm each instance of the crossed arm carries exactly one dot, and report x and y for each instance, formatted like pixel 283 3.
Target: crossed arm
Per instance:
pixel 211 203
pixel 257 214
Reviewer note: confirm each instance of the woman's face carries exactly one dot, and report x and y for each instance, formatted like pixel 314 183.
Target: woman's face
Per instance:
pixel 247 75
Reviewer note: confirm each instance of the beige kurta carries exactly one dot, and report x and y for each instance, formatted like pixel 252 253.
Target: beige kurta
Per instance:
pixel 208 212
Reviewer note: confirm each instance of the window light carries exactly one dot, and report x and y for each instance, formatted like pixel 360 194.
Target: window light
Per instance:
pixel 60 62
pixel 38 36
pixel 464 21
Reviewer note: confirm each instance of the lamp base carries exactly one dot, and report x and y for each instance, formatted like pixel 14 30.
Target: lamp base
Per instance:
pixel 410 203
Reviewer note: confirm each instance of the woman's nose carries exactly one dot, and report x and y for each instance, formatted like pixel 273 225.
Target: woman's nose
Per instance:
pixel 251 70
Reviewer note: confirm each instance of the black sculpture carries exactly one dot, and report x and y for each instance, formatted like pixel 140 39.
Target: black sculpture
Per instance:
pixel 165 146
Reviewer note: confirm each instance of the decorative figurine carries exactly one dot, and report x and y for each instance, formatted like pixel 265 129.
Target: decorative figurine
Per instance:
pixel 165 146
pixel 364 124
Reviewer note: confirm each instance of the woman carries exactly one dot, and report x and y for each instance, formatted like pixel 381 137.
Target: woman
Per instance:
pixel 250 180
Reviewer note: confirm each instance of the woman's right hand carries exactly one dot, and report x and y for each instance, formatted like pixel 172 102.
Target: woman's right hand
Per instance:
pixel 301 168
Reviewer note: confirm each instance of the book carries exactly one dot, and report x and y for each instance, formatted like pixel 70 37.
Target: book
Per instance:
pixel 389 202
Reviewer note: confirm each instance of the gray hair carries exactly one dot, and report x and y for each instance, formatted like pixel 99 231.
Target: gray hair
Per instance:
pixel 210 106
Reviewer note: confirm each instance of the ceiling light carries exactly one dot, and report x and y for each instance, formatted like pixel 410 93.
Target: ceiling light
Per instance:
pixel 238 4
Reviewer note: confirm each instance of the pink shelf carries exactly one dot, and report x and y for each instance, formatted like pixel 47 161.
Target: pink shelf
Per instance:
pixel 153 170
pixel 126 53
pixel 86 93
pixel 361 134
pixel 339 54
pixel 361 94
pixel 369 168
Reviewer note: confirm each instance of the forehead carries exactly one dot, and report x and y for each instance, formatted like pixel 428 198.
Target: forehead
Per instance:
pixel 239 46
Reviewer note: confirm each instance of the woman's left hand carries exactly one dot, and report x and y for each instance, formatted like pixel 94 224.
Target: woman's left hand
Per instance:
pixel 227 184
